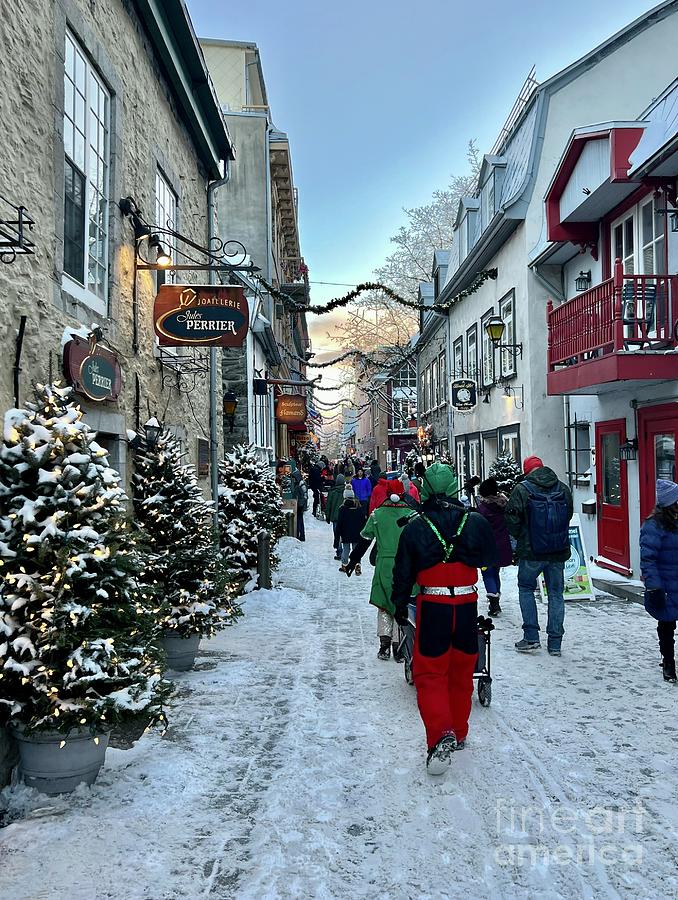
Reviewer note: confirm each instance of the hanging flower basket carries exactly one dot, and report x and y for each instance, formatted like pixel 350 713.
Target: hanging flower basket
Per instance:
pixel 56 763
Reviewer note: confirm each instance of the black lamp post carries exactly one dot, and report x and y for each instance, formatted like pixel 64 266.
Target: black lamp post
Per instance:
pixel 230 406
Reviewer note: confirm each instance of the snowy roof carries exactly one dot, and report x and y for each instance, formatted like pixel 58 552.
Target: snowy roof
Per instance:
pixel 662 128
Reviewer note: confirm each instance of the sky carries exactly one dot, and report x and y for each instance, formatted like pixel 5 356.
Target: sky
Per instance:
pixel 380 98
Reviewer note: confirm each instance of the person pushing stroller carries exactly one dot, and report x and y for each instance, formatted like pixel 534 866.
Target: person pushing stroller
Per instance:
pixel 441 550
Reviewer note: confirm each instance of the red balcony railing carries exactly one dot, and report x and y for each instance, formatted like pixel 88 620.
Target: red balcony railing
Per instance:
pixel 626 312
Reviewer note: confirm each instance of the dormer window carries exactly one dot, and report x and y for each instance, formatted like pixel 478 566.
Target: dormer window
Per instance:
pixel 463 238
pixel 491 180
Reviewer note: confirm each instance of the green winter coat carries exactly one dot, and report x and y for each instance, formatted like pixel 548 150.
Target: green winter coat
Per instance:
pixel 335 498
pixel 383 527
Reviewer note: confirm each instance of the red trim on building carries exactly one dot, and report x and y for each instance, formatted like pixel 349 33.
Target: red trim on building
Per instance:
pixel 613 367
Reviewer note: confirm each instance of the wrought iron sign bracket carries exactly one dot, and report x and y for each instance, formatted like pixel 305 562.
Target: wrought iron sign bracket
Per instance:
pixel 13 228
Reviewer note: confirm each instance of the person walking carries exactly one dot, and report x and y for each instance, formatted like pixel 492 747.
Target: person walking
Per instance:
pixel 300 494
pixel 362 487
pixel 659 568
pixel 468 494
pixel 440 550
pixel 384 526
pixel 419 472
pixel 350 523
pixel 491 505
pixel 379 493
pixel 411 488
pixel 375 472
pixel 538 516
pixel 335 498
pixel 315 482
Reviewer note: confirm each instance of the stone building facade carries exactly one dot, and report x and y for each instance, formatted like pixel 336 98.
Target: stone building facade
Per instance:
pixel 100 108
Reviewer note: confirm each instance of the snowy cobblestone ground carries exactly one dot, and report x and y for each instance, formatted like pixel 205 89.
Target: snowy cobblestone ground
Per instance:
pixel 293 767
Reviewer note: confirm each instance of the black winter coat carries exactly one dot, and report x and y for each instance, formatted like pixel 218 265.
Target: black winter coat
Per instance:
pixel 351 522
pixel 315 478
pixel 419 547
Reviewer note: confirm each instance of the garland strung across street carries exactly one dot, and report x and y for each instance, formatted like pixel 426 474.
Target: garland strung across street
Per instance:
pixel 352 295
pixel 359 354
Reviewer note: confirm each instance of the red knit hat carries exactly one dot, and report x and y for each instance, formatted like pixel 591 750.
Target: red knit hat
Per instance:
pixel 531 463
pixel 395 486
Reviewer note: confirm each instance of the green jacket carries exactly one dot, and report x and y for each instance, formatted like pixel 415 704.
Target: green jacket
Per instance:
pixel 516 514
pixel 335 498
pixel 383 527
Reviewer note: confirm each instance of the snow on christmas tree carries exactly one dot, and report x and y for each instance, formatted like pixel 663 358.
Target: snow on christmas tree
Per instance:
pixel 249 502
pixel 183 562
pixel 76 627
pixel 505 470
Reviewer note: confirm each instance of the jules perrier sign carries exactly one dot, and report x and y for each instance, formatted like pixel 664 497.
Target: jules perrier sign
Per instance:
pixel 200 315
pixel 92 369
pixel 290 409
pixel 464 394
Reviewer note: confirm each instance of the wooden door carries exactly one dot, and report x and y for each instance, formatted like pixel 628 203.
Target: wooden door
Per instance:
pixel 612 496
pixel 658 433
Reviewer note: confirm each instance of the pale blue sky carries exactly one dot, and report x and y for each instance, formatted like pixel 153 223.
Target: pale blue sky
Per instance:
pixel 379 98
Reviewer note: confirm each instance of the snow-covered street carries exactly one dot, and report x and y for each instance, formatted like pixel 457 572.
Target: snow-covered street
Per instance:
pixel 294 767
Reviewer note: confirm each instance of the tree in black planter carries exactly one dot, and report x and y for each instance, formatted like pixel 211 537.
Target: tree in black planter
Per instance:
pixel 76 626
pixel 249 502
pixel 182 562
pixel 505 470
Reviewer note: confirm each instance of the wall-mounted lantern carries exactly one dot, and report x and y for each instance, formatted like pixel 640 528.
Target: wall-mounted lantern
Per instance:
pixel 629 449
pixel 583 281
pixel 495 328
pixel 152 430
pixel 230 406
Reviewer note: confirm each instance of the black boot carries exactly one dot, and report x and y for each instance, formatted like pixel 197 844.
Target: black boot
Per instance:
pixel 494 607
pixel 385 648
pixel 665 632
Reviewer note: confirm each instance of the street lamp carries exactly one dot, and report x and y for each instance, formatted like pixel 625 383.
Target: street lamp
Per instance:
pixel 230 406
pixel 583 281
pixel 494 329
pixel 152 429
pixel 163 257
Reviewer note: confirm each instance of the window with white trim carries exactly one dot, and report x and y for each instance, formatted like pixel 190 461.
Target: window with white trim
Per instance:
pixel 652 238
pixel 86 179
pixel 472 352
pixel 460 452
pixel 458 350
pixel 462 235
pixel 507 313
pixel 442 396
pixel 166 217
pixel 435 398
pixel 488 351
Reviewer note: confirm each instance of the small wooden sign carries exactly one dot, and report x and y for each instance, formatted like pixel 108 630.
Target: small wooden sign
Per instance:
pixel 92 370
pixel 196 315
pixel 290 409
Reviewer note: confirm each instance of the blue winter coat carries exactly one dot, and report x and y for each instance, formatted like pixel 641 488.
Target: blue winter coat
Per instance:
pixel 659 567
pixel 362 488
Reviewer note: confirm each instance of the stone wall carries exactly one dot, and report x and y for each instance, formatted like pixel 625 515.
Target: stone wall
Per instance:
pixel 147 133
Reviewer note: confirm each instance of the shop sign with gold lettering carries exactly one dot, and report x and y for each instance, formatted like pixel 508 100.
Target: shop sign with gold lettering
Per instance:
pixel 194 315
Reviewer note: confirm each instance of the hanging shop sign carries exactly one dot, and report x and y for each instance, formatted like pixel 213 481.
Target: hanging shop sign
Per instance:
pixel 464 394
pixel 290 409
pixel 194 315
pixel 92 370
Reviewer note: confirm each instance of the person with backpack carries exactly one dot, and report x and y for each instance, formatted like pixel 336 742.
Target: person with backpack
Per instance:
pixel 440 550
pixel 659 568
pixel 384 527
pixel 491 504
pixel 315 482
pixel 375 473
pixel 538 516
pixel 300 494
pixel 335 498
pixel 350 523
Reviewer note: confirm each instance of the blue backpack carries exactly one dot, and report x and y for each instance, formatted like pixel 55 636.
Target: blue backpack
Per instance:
pixel 548 519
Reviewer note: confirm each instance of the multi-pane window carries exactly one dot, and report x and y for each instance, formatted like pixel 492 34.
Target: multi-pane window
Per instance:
pixel 488 352
pixel 442 368
pixel 487 202
pixel 166 215
pixel 400 413
pixel 435 397
pixel 262 420
pixel 472 352
pixel 86 169
pixel 652 241
pixel 405 377
pixel 458 351
pixel 507 312
pixel 460 452
pixel 624 244
pixel 462 235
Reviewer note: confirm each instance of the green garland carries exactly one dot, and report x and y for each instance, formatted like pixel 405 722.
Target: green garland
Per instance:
pixel 338 302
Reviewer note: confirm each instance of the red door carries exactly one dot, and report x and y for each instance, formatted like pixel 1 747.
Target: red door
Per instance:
pixel 657 434
pixel 612 497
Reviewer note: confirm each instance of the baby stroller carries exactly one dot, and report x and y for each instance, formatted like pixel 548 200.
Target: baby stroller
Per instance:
pixel 482 673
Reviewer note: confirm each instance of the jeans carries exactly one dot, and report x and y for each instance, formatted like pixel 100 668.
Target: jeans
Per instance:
pixel 492 580
pixel 528 572
pixel 346 549
pixel 337 541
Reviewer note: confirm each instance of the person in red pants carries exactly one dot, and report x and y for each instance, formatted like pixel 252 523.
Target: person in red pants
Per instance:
pixel 441 550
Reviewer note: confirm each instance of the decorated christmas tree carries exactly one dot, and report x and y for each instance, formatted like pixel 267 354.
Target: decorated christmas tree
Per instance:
pixel 76 626
pixel 182 563
pixel 249 502
pixel 505 470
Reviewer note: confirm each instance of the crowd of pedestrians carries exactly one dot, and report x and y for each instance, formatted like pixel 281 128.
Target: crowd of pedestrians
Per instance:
pixel 432 540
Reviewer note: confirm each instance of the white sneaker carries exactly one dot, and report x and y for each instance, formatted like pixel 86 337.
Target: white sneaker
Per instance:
pixel 439 757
